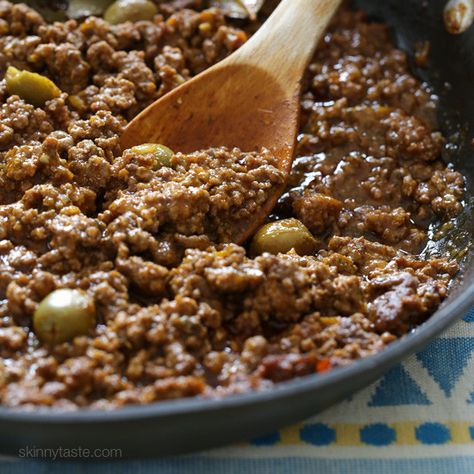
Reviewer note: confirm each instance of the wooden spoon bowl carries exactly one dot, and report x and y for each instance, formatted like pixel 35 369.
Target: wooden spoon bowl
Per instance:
pixel 249 100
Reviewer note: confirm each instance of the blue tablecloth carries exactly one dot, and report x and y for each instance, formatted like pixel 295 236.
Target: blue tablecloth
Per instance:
pixel 417 419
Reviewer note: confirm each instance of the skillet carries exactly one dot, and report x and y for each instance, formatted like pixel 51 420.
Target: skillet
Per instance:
pixel 180 426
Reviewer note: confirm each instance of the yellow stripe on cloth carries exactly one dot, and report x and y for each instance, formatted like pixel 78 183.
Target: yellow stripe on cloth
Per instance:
pixel 406 432
pixel 460 433
pixel 290 436
pixel 349 434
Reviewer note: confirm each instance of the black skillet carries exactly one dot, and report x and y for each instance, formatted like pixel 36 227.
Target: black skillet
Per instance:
pixel 193 424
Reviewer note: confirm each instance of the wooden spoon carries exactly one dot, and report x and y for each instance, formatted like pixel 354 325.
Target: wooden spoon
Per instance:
pixel 249 100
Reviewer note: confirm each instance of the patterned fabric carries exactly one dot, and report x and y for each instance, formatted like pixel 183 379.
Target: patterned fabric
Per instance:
pixel 419 418
pixel 422 408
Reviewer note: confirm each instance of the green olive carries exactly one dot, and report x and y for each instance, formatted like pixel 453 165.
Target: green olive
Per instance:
pixel 130 10
pixel 63 315
pixel 162 153
pixel 283 236
pixel 31 87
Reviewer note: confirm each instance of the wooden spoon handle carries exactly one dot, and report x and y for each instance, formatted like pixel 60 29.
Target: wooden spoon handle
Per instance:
pixel 287 40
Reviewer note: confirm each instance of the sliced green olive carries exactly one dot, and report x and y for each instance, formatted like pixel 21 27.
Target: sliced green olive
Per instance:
pixel 80 9
pixel 283 236
pixel 239 9
pixel 130 10
pixel 162 153
pixel 31 87
pixel 63 315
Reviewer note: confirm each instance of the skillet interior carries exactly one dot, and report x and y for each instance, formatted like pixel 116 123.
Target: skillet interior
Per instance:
pixel 184 425
pixel 450 72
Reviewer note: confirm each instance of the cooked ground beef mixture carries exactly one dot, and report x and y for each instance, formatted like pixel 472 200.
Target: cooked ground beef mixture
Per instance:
pixel 119 279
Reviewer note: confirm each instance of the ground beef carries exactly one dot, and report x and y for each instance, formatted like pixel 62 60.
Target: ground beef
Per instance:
pixel 201 198
pixel 181 309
